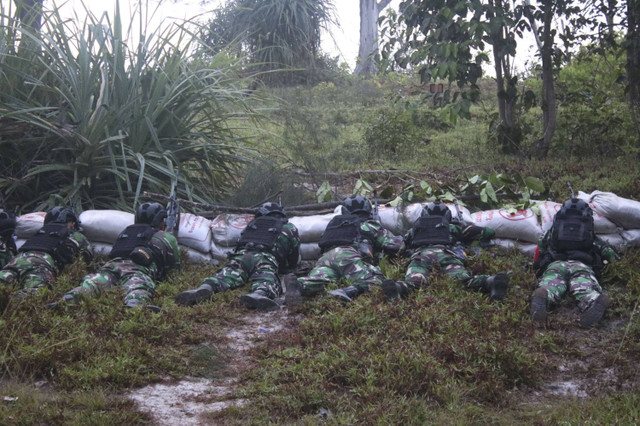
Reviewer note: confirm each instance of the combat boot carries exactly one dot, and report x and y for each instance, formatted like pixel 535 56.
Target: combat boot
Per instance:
pixel 346 294
pixel 394 290
pixel 259 300
pixel 539 305
pixel 67 298
pixel 293 291
pixel 497 286
pixel 593 314
pixel 197 295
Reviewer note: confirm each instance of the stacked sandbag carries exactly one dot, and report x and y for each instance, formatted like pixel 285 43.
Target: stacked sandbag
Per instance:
pixel 27 225
pixel 519 225
pixel 623 212
pixel 310 229
pixel 194 233
pixel 226 229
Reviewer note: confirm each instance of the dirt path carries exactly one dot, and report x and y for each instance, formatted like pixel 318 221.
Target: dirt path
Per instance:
pixel 183 402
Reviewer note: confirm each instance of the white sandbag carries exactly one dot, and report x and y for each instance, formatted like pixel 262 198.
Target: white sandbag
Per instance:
pixel 622 211
pixel 226 228
pixel 20 242
pixel 310 228
pixel 548 210
pixel 219 252
pixel 104 226
pixel 28 224
pixel 527 248
pixel 196 256
pixel 309 251
pixel 393 220
pixel 99 248
pixel 522 225
pixel 631 237
pixel 614 240
pixel 195 232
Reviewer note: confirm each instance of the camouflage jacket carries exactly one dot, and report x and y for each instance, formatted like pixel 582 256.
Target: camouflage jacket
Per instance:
pixel 381 240
pixel 166 256
pixel 594 258
pixel 465 235
pixel 76 244
pixel 286 248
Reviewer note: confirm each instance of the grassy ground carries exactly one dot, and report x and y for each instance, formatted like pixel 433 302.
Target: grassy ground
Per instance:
pixel 443 355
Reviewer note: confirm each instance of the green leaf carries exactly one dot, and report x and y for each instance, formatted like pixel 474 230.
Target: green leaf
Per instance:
pixel 534 184
pixel 324 192
pixel 491 193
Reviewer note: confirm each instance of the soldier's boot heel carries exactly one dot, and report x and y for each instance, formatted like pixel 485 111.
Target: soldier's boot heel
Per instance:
pixel 593 314
pixel 197 295
pixel 539 305
pixel 498 284
pixel 346 294
pixel 293 291
pixel 259 300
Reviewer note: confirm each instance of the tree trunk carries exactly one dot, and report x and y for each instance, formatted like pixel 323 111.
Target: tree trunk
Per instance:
pixel 368 47
pixel 633 59
pixel 549 110
pixel 30 16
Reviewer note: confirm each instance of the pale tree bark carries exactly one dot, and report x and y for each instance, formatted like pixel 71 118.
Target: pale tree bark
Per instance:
pixel 633 59
pixel 368 47
pixel 549 108
pixel 30 16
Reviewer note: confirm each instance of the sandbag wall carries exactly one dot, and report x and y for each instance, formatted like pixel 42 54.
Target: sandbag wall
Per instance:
pixel 617 221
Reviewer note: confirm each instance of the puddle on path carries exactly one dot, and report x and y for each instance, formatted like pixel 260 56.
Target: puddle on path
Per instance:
pixel 182 402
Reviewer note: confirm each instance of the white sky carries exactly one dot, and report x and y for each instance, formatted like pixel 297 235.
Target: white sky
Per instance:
pixel 346 36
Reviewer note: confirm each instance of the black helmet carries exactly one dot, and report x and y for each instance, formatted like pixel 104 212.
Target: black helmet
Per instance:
pixel 270 209
pixel 436 209
pixel 357 204
pixel 577 207
pixel 60 215
pixel 7 223
pixel 151 213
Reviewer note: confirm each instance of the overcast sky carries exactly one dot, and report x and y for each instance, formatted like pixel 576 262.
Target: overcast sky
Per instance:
pixel 346 36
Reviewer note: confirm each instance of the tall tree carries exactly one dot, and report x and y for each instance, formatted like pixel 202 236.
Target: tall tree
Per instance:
pixel 633 58
pixel 446 40
pixel 275 34
pixel 368 47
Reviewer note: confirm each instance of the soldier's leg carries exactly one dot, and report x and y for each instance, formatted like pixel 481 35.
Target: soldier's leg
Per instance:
pixel 551 288
pixel 138 288
pixel 585 288
pixel 321 275
pixel 94 284
pixel 264 276
pixel 420 268
pixel 8 276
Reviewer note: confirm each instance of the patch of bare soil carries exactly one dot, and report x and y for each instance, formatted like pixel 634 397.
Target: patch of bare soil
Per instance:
pixel 184 401
pixel 585 363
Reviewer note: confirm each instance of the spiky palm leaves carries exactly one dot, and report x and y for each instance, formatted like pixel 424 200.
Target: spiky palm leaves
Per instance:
pixel 85 118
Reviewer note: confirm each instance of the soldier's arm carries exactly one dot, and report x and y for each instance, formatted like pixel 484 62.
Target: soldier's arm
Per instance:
pixel 79 245
pixel 294 253
pixel 606 251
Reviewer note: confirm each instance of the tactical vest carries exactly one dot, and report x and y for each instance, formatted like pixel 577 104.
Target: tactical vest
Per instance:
pixel 133 236
pixel 261 233
pixel 342 230
pixel 49 239
pixel 431 230
pixel 573 230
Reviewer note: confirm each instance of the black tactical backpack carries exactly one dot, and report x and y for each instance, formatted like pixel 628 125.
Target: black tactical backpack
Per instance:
pixel 50 239
pixel 342 230
pixel 573 228
pixel 261 233
pixel 431 230
pixel 133 236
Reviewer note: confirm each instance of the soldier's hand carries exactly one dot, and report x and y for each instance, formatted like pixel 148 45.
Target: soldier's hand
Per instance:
pixel 471 232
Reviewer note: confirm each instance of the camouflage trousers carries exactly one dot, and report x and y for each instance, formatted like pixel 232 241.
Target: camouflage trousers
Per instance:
pixel 436 260
pixel 131 278
pixel 31 270
pixel 260 268
pixel 572 276
pixel 340 263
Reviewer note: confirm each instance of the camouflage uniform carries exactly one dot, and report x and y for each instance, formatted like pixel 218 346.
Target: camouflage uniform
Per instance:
pixel 347 262
pixel 260 267
pixel 448 260
pixel 7 251
pixel 580 279
pixel 137 281
pixel 36 269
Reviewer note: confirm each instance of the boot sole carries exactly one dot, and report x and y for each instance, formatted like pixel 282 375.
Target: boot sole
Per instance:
pixel 192 297
pixel 293 292
pixel 539 306
pixel 390 290
pixel 259 303
pixel 594 313
pixel 500 284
